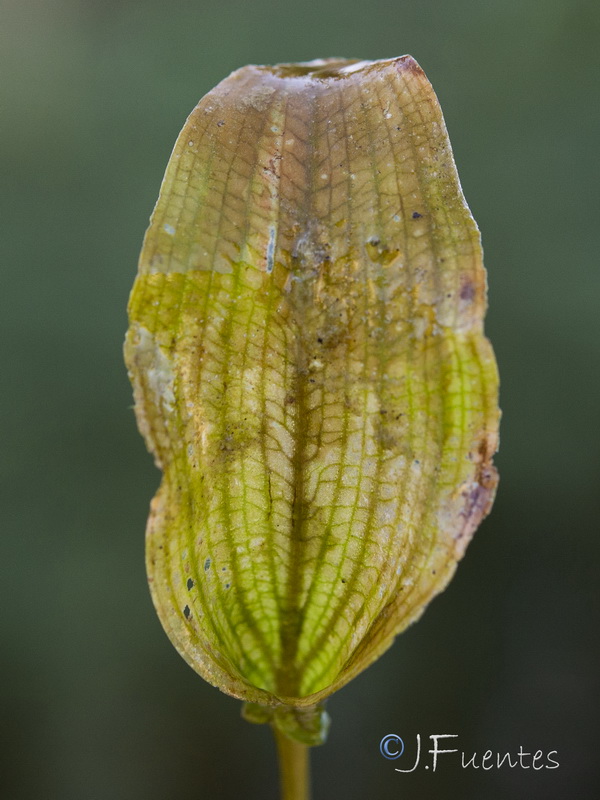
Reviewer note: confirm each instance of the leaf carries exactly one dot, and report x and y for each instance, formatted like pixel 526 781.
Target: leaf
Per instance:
pixel 310 372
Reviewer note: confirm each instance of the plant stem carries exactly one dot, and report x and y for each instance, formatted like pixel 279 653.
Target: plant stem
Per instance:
pixel 294 767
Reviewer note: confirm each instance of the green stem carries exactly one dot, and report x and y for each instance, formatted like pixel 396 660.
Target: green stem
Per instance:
pixel 294 767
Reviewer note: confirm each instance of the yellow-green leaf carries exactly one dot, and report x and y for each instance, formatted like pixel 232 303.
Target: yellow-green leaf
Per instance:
pixel 310 372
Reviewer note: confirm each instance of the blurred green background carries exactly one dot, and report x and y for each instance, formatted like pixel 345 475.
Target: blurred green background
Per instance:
pixel 95 702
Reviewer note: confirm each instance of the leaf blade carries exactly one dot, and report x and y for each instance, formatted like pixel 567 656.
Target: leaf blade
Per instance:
pixel 311 373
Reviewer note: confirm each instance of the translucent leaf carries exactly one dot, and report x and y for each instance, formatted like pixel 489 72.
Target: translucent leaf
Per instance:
pixel 310 372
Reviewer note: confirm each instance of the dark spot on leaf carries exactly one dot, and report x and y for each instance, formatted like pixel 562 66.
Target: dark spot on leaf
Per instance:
pixel 467 291
pixel 186 612
pixel 190 583
pixel 416 215
pixel 207 565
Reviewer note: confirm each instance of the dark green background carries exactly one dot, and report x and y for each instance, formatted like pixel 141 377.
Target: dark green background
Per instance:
pixel 95 702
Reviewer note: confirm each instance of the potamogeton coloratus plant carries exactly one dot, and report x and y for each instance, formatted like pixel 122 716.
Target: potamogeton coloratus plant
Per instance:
pixel 311 375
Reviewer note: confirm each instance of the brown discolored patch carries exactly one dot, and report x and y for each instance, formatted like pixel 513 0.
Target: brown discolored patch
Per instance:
pixel 478 503
pixel 408 64
pixel 385 437
pixel 467 291
pixel 234 441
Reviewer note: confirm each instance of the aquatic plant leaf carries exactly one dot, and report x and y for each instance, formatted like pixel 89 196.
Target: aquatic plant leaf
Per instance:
pixel 311 374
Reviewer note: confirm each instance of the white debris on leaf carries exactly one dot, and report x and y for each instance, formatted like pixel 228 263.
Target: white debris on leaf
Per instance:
pixel 156 367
